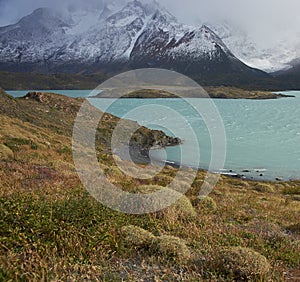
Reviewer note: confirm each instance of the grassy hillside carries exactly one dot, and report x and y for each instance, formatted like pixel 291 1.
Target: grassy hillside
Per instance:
pixel 51 229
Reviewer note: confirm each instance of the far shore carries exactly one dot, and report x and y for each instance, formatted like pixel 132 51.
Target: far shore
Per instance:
pixel 208 92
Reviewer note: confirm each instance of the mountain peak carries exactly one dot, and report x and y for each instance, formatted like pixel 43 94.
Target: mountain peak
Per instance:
pixel 41 14
pixel 137 34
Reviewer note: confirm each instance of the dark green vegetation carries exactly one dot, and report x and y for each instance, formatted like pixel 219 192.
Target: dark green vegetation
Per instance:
pixel 25 81
pixel 213 92
pixel 36 81
pixel 52 229
pixel 290 76
pixel 150 93
pixel 267 83
pixel 237 93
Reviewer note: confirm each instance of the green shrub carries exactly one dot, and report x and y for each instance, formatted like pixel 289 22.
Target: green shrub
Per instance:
pixel 243 264
pixel 182 208
pixel 172 248
pixel 137 237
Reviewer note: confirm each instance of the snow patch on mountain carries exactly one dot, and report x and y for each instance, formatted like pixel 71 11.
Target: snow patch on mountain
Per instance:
pixel 246 48
pixel 111 37
pixel 101 34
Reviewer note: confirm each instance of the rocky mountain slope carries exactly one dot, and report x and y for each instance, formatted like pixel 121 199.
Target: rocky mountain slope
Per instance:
pixel 112 39
pixel 291 75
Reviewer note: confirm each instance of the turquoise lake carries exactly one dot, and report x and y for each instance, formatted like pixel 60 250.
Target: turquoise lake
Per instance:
pixel 262 136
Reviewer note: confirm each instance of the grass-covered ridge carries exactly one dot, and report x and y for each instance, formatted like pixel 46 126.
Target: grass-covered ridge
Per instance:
pixel 52 229
pixel 237 93
pixel 221 92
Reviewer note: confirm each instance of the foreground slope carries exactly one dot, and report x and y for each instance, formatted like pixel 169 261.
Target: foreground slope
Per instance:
pixel 51 229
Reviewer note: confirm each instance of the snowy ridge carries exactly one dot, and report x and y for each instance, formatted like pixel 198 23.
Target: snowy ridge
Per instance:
pixel 98 34
pixel 112 37
pixel 270 59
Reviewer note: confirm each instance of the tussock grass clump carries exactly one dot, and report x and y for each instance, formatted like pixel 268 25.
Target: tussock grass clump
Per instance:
pixel 181 209
pixel 205 202
pixel 169 247
pixel 137 237
pixel 172 248
pixel 5 152
pixel 184 208
pixel 264 188
pixel 243 264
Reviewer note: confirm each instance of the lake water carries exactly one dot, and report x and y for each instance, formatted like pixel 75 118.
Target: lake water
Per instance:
pixel 263 136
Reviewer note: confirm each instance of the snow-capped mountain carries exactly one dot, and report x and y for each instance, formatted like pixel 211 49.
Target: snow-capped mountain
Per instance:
pixel 113 37
pixel 279 56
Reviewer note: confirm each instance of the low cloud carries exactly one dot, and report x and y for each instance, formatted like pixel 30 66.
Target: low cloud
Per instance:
pixel 268 21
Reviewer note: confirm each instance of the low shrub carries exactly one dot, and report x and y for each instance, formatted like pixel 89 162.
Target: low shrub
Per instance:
pixel 172 248
pixel 137 237
pixel 181 209
pixel 243 264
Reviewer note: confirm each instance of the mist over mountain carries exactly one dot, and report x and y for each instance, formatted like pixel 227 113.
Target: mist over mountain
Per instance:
pixel 112 37
pixel 263 34
pixel 278 56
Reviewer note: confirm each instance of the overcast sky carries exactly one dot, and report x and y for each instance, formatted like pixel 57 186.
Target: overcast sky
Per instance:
pixel 265 19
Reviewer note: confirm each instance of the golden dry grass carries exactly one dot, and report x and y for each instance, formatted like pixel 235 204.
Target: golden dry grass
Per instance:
pixel 52 229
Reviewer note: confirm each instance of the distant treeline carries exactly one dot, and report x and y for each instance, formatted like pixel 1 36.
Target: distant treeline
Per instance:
pixel 37 81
